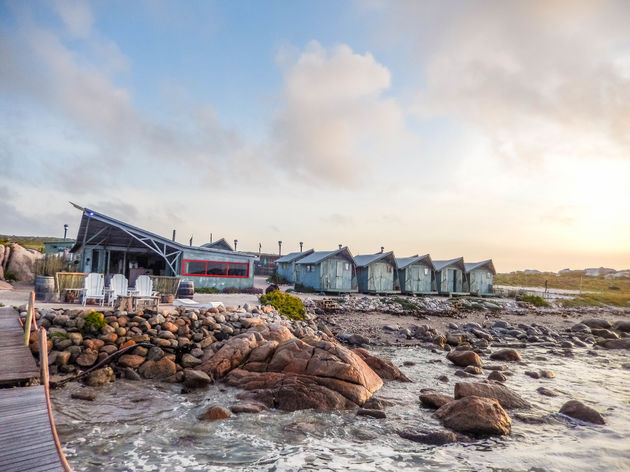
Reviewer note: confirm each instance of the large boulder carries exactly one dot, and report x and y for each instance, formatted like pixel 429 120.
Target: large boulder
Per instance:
pixel 464 358
pixel 597 323
pixel 385 369
pixel 621 343
pixel 158 370
pixel 622 325
pixel 290 374
pixel 506 397
pixel 475 416
pixel 434 400
pixel 506 355
pixel 578 410
pixel 21 262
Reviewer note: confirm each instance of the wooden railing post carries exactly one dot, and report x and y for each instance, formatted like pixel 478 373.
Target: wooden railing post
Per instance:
pixel 29 318
pixel 43 356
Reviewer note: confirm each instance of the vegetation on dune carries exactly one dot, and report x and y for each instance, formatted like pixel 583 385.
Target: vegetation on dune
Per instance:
pixel 598 299
pixel 574 280
pixel 286 304
pixel 28 242
pixel 533 299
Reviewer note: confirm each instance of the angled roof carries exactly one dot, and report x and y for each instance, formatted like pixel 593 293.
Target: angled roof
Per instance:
pixel 478 265
pixel 404 262
pixel 319 256
pixel 457 262
pixel 219 244
pixel 294 256
pixel 365 260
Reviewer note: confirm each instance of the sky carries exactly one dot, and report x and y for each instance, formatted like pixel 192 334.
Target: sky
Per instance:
pixel 484 129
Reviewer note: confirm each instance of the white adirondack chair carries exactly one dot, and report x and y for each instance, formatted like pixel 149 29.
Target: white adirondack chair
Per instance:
pixel 118 287
pixel 144 291
pixel 93 287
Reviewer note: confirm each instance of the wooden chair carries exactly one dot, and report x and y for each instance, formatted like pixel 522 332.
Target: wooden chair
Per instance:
pixel 118 287
pixel 94 288
pixel 144 292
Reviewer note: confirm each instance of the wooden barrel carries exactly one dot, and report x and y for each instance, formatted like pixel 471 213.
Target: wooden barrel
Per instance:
pixel 168 299
pixel 186 289
pixel 44 288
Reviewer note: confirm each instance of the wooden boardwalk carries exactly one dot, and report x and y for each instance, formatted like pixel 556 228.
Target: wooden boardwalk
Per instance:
pixel 28 439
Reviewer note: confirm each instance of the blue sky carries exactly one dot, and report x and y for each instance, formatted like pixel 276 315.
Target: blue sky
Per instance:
pixel 489 129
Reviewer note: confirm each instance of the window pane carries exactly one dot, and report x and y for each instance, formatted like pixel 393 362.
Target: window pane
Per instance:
pixel 217 268
pixel 195 268
pixel 237 270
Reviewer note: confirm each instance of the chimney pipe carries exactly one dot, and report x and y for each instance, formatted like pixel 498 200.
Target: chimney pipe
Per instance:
pixel 210 237
pixel 65 231
pixel 235 243
pixel 259 248
pixel 340 246
pixel 279 248
pixel 301 244
pixel 173 235
pixel 382 249
pixel 191 239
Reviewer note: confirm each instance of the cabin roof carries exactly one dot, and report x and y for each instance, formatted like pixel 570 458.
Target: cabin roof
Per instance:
pixel 219 244
pixel 478 265
pixel 294 256
pixel 320 256
pixel 365 260
pixel 404 262
pixel 457 262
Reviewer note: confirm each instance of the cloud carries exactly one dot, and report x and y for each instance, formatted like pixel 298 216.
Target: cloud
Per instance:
pixel 76 16
pixel 336 118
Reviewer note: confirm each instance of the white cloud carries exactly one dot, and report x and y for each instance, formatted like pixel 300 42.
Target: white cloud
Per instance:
pixel 76 16
pixel 336 119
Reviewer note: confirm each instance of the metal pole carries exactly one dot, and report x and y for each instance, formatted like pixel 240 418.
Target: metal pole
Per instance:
pixel 301 244
pixel 65 231
pixel 279 248
pixel 235 243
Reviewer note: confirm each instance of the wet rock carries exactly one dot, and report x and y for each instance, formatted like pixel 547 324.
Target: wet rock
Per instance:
pixel 464 358
pixel 158 370
pixel 509 355
pixel 597 323
pixel 463 375
pixel 471 369
pixel 506 397
pixel 196 379
pixel 531 419
pixel 443 378
pixel 385 369
pixel 357 339
pixel 546 374
pixel 604 333
pixel 131 360
pixel 376 404
pixel 87 358
pixel 189 360
pixel 130 374
pixel 498 376
pixel 155 354
pixel 496 367
pixel 622 325
pixel 248 407
pixel 578 410
pixel 476 416
pixel 434 400
pixel 533 375
pixel 546 392
pixel 215 413
pixel 84 394
pixel 433 438
pixel 100 377
pixel 622 343
pixel 580 328
pixel 380 414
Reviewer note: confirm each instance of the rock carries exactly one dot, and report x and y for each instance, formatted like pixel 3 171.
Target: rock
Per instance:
pixel 546 374
pixel 189 360
pixel 373 413
pixel 376 404
pixel 84 394
pixel 622 325
pixel 464 358
pixel 433 438
pixel 357 339
pixel 87 358
pixel 131 360
pixel 21 262
pixel 476 416
pixel 247 407
pixel 215 413
pixel 509 355
pixel 100 377
pixel 158 370
pixel 471 369
pixel 578 410
pixel 546 392
pixel 580 328
pixel 462 374
pixel 597 323
pixel 622 343
pixel 506 397
pixel 443 378
pixel 498 376
pixel 63 357
pixel 385 369
pixel 130 374
pixel 435 400
pixel 196 379
pixel 533 375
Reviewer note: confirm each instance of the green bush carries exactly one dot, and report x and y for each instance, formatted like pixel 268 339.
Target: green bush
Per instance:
pixel 93 323
pixel 207 290
pixel 277 279
pixel 286 304
pixel 534 300
pixel 405 304
pixel 304 289
pixel 10 276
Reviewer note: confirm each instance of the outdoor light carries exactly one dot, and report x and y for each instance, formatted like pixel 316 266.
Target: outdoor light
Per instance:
pixel 90 213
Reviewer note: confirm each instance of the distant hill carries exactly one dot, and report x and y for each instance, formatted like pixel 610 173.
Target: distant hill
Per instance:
pixel 29 242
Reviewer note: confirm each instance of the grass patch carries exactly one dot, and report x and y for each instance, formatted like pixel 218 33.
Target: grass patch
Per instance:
pixel 534 300
pixel 598 299
pixel 574 280
pixel 59 335
pixel 286 304
pixel 277 279
pixel 404 303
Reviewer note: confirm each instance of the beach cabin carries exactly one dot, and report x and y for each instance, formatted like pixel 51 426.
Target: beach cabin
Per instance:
pixel 479 277
pixel 327 271
pixel 285 265
pixel 109 246
pixel 449 276
pixel 377 273
pixel 416 274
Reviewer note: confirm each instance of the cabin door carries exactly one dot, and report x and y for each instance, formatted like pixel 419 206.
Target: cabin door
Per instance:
pixel 453 278
pixel 339 275
pixel 414 283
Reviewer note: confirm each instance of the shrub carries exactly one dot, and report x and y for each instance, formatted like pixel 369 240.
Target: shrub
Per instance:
pixel 286 304
pixel 93 323
pixel 277 279
pixel 10 276
pixel 304 289
pixel 207 290
pixel 533 299
pixel 405 304
pixel 250 290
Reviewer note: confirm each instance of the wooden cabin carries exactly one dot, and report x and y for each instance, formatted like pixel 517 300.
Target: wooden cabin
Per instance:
pixel 450 276
pixel 285 265
pixel 479 277
pixel 377 273
pixel 327 271
pixel 416 275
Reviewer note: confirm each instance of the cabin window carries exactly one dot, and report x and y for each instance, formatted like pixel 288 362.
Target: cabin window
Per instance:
pixel 215 269
pixel 346 266
pixel 389 268
pixel 310 268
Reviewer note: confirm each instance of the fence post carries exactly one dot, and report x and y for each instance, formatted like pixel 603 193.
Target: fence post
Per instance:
pixel 43 356
pixel 29 318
